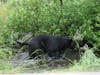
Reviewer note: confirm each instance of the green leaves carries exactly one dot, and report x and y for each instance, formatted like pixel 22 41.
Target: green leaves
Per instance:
pixel 47 17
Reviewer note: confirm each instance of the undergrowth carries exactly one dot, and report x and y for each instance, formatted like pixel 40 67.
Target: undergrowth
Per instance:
pixel 88 63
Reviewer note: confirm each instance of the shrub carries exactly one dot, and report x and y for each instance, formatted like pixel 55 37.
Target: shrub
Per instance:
pixel 48 17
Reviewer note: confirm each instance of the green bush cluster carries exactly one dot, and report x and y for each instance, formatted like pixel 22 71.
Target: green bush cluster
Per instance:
pixel 49 17
pixel 5 53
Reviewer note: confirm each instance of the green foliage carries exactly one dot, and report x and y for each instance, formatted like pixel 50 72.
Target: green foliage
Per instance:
pixel 5 66
pixel 5 56
pixel 47 17
pixel 5 53
pixel 34 16
pixel 88 63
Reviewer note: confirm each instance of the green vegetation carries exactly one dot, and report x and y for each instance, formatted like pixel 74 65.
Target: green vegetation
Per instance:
pixel 74 17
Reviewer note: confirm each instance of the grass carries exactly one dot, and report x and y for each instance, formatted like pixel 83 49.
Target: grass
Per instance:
pixel 5 67
pixel 5 56
pixel 5 53
pixel 88 63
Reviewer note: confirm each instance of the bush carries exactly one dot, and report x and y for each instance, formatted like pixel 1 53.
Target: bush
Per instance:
pixel 5 53
pixel 48 17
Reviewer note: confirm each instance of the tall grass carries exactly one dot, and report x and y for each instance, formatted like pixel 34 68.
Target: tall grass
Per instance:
pixel 5 56
pixel 88 63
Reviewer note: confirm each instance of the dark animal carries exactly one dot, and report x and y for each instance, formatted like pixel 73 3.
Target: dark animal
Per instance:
pixel 52 45
pixel 85 41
